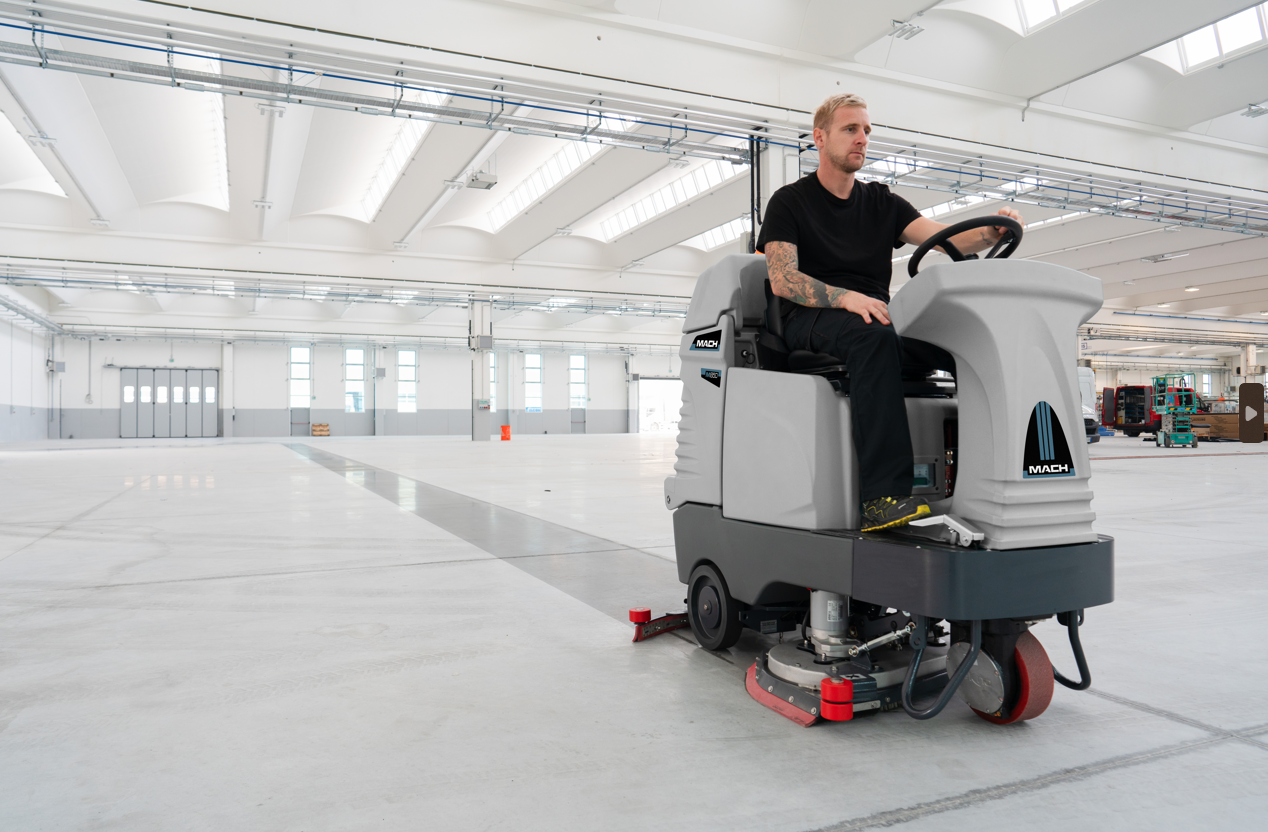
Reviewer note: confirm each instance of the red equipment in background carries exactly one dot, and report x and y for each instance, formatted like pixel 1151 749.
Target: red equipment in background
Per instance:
pixel 1130 409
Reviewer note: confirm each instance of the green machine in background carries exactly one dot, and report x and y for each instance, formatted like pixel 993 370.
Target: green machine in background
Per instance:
pixel 1175 403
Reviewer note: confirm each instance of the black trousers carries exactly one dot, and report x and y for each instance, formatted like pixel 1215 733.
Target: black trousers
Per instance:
pixel 877 359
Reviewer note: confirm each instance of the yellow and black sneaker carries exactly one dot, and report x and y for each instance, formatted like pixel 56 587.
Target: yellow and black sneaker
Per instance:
pixel 892 512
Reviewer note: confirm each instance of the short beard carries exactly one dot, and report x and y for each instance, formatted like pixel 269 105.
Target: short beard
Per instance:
pixel 843 163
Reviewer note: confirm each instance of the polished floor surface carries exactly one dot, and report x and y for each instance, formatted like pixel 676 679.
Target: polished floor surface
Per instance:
pixel 428 633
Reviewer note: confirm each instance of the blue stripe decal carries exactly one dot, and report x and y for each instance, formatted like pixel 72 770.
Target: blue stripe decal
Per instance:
pixel 1049 451
pixel 1047 433
pixel 1042 432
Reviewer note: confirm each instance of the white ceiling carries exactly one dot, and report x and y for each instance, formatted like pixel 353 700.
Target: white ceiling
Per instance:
pixel 178 174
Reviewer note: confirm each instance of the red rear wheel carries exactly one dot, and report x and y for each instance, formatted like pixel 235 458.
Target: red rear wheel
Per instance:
pixel 1037 681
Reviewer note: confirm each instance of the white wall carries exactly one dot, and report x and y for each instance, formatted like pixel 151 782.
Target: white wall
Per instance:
pixel 24 384
pixel 656 365
pixel 260 386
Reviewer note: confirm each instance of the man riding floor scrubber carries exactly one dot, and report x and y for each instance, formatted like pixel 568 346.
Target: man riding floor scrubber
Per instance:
pixel 765 494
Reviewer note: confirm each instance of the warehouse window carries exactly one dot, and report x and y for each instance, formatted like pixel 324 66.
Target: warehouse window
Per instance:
pixel 160 396
pixel 354 381
pixel 129 394
pixel 493 381
pixel 193 395
pixel 577 380
pixel 145 394
pixel 178 395
pixel 301 379
pixel 1206 384
pixel 533 383
pixel 407 381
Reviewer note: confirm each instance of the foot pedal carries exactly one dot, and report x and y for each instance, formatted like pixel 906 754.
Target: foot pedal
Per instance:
pixel 645 626
pixel 956 530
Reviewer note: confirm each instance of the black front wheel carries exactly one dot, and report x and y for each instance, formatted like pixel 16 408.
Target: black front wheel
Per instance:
pixel 714 614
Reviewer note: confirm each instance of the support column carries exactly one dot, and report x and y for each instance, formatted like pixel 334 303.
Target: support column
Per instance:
pixel 480 317
pixel 1250 372
pixel 631 397
pixel 227 412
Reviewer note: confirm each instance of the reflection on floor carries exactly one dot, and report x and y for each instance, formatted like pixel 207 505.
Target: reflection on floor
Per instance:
pixel 406 633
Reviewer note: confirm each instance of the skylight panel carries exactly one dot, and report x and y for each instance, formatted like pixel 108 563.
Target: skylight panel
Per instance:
pixel 1240 30
pixel 21 166
pixel 1235 35
pixel 1038 13
pixel 727 232
pixel 398 154
pixel 707 176
pixel 1200 46
pixel 553 171
pixel 215 108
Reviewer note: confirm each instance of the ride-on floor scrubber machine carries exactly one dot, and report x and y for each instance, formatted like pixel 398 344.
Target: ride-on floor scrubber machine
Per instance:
pixel 766 501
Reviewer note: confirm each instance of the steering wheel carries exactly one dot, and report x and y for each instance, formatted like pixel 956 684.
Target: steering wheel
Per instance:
pixel 1011 237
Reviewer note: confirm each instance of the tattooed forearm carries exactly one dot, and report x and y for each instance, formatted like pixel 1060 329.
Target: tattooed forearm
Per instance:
pixel 787 282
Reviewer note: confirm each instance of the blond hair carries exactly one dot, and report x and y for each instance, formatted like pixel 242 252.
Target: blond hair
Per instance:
pixel 823 115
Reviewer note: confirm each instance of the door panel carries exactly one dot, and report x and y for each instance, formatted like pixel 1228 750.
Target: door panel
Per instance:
pixel 145 404
pixel 300 421
pixel 162 403
pixel 179 394
pixel 578 420
pixel 194 403
pixel 127 404
pixel 211 403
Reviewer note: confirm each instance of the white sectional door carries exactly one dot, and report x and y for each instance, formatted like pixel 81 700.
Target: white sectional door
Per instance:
pixel 194 403
pixel 163 403
pixel 180 395
pixel 211 403
pixel 127 404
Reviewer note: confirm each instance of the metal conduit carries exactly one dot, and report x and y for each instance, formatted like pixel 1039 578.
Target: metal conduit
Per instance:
pixel 86 332
pixel 578 115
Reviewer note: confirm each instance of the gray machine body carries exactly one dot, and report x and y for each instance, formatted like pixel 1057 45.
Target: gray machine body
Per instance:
pixel 1012 327
pixel 776 448
pixel 768 565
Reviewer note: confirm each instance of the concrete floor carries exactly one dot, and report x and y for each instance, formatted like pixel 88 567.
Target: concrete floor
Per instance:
pixel 426 633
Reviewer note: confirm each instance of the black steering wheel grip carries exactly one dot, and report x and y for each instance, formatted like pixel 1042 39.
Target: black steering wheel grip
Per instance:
pixel 1008 242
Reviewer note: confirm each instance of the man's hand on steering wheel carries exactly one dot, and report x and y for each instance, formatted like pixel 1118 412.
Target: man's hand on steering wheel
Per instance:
pixel 995 232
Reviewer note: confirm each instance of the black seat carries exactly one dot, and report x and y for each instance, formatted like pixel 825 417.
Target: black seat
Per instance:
pixel 774 355
pixel 777 356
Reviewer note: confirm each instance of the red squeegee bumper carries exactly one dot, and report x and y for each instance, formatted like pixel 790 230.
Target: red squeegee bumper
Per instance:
pixel 776 704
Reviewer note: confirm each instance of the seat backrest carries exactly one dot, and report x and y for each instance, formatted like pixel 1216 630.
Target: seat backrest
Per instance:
pixel 774 312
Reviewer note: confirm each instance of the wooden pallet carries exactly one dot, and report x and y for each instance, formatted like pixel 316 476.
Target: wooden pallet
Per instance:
pixel 320 429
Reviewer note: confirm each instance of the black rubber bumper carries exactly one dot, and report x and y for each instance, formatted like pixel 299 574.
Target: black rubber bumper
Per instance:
pixel 769 564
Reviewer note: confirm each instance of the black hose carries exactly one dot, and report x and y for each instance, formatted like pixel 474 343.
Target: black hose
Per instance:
pixel 975 647
pixel 1072 620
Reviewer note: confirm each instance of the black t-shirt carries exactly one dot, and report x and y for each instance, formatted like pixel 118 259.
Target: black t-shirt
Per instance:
pixel 847 243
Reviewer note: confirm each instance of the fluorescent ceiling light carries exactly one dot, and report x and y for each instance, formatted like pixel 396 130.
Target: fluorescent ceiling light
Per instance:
pixel 1162 305
pixel 709 175
pixel 1255 111
pixel 1160 258
pixel 1190 288
pixel 906 31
